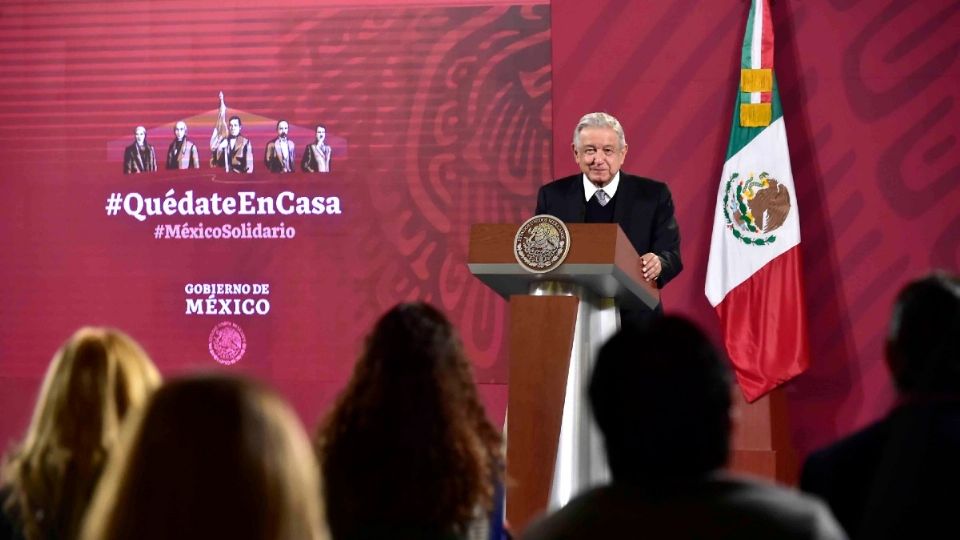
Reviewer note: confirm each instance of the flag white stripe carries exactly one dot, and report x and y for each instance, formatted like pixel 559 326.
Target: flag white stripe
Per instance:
pixel 731 260
pixel 757 39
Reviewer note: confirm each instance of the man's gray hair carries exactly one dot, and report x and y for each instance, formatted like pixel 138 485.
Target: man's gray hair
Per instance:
pixel 599 120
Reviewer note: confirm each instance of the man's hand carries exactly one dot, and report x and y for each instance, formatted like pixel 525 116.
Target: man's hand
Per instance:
pixel 651 266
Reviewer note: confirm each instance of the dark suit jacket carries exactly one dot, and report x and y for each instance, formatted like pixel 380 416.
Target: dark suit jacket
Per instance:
pixel 644 210
pixel 312 158
pixel 842 474
pixel 897 478
pixel 719 508
pixel 274 160
pixel 186 158
pixel 133 163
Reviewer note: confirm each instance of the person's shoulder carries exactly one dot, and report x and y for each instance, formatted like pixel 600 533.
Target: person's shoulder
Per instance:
pixel 562 184
pixel 569 521
pixel 643 182
pixel 769 507
pixel 739 487
pixel 853 448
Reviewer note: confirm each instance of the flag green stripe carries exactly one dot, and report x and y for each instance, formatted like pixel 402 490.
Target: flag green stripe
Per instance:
pixel 745 57
pixel 741 136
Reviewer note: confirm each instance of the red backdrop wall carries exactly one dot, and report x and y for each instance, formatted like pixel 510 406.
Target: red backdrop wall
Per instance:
pixel 442 116
pixel 438 115
pixel 870 94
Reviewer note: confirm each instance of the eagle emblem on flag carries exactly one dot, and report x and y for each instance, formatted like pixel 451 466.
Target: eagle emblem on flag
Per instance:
pixel 755 207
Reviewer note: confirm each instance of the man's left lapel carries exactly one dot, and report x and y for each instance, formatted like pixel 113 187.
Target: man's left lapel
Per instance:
pixel 624 199
pixel 576 206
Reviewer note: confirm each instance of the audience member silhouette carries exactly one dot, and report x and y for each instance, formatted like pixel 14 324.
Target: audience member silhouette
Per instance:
pixel 661 396
pixel 210 457
pixel 407 451
pixel 96 378
pixel 900 477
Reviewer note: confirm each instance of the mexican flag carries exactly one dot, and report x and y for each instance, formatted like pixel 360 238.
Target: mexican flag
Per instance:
pixel 754 279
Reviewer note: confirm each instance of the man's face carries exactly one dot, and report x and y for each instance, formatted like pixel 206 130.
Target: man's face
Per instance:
pixel 140 134
pixel 180 131
pixel 599 154
pixel 234 127
pixel 321 134
pixel 282 129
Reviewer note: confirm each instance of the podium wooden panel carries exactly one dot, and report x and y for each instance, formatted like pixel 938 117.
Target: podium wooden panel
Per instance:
pixel 760 442
pixel 541 339
pixel 601 261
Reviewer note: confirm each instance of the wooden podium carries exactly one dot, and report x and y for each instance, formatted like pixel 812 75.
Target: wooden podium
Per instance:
pixel 601 264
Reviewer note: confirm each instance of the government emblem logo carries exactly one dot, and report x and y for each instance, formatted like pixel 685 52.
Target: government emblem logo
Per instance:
pixel 754 208
pixel 227 343
pixel 541 243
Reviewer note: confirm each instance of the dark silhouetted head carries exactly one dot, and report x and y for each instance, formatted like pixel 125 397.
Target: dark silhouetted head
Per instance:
pixel 923 343
pixel 661 395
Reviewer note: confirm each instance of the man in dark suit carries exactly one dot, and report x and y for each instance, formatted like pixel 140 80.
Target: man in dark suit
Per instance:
pixel 139 157
pixel 660 394
pixel 182 153
pixel 602 193
pixel 316 157
pixel 281 152
pixel 900 477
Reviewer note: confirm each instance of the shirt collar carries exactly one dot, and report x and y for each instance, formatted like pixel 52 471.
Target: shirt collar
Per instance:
pixel 589 189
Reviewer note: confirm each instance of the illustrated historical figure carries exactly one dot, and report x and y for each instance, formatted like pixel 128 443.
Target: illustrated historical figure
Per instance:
pixel 231 150
pixel 316 158
pixel 281 152
pixel 182 153
pixel 140 156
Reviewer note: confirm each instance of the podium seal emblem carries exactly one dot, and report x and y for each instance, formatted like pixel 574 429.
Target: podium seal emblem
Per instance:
pixel 227 343
pixel 541 243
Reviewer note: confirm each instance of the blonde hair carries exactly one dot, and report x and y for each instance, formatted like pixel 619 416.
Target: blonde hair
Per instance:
pixel 93 381
pixel 210 457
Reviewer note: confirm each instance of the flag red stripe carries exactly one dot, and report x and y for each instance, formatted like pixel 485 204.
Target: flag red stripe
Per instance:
pixel 766 37
pixel 764 325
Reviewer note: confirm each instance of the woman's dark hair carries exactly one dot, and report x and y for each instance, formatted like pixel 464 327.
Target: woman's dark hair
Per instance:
pixel 407 447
